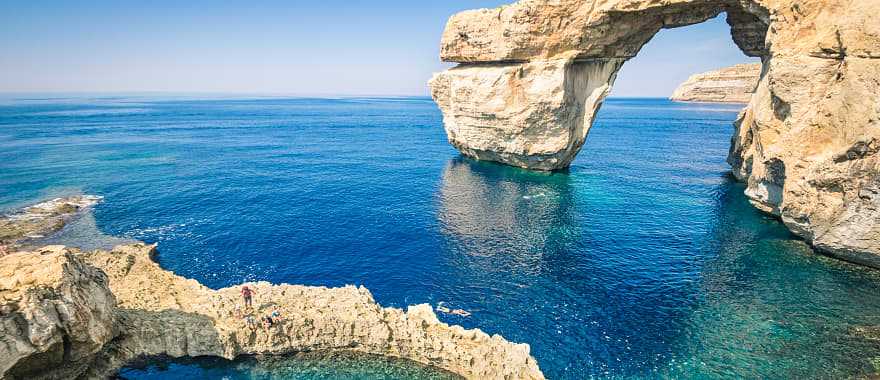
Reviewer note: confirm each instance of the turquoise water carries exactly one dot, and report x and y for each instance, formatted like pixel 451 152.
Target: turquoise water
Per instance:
pixel 642 261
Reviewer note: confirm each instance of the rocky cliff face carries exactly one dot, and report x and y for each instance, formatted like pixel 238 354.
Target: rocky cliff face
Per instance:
pixel 533 115
pixel 68 314
pixel 56 313
pixel 734 84
pixel 806 145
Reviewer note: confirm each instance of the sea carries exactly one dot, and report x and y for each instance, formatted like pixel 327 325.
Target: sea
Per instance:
pixel 643 260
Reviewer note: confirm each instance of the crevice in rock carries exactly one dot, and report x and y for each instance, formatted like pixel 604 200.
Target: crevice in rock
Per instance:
pixel 781 108
pixel 67 347
pixel 859 150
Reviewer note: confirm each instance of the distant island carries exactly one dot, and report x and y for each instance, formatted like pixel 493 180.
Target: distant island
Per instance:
pixel 734 84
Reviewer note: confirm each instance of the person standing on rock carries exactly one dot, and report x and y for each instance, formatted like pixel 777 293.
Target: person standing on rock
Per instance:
pixel 276 315
pixel 248 294
pixel 268 323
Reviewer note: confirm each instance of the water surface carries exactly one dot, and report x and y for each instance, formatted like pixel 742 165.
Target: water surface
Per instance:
pixel 644 260
pixel 311 366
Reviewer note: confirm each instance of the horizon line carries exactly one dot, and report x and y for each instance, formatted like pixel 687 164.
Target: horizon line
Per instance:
pixel 249 94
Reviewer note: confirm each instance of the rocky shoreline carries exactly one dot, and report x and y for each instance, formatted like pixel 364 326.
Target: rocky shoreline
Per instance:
pixel 66 313
pixel 34 222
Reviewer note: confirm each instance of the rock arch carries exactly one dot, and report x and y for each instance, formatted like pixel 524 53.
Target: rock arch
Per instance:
pixel 532 75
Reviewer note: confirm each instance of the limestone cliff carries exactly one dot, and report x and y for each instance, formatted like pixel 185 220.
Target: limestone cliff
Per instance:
pixel 734 84
pixel 533 74
pixel 56 313
pixel 68 314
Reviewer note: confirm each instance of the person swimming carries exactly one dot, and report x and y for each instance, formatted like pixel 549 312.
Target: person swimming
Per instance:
pixel 446 310
pixel 463 313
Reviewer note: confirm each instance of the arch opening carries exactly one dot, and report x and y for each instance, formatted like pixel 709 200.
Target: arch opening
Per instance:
pixel 532 75
pixel 528 97
pixel 673 56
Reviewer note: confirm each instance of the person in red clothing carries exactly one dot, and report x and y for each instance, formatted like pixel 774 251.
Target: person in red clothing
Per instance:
pixel 248 294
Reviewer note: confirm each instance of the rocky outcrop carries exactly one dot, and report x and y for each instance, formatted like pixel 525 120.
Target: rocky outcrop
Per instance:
pixel 734 84
pixel 806 144
pixel 533 74
pixel 533 115
pixel 69 314
pixel 39 220
pixel 56 313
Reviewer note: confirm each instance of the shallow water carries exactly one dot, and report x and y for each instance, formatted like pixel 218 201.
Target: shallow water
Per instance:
pixel 644 260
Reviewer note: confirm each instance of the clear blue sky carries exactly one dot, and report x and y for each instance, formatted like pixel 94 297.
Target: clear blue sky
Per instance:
pixel 301 47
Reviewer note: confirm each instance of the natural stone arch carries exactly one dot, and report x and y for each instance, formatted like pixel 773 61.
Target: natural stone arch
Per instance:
pixel 533 74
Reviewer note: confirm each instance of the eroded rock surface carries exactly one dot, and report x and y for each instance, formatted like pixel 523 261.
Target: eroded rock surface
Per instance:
pixel 56 313
pixel 806 144
pixel 534 115
pixel 66 314
pixel 734 84
pixel 39 220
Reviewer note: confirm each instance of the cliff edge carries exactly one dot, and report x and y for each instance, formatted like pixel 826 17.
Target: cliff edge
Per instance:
pixel 734 84
pixel 532 75
pixel 71 314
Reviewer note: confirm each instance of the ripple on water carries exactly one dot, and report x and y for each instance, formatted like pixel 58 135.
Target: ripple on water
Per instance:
pixel 644 260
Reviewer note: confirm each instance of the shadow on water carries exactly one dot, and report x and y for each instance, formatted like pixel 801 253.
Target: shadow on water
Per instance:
pixel 508 218
pixel 741 297
pixel 526 253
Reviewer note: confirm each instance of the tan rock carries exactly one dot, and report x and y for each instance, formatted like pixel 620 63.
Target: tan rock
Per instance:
pixel 534 115
pixel 534 73
pixel 806 145
pixel 734 84
pixel 67 314
pixel 55 314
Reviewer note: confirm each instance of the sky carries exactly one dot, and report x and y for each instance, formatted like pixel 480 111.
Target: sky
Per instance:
pixel 292 47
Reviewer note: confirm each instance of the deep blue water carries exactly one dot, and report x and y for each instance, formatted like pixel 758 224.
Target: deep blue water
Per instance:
pixel 311 366
pixel 644 260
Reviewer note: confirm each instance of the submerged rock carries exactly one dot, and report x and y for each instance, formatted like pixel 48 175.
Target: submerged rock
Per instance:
pixel 734 84
pixel 68 314
pixel 533 74
pixel 39 220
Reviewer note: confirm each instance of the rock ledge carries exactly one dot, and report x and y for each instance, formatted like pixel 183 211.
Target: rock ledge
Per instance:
pixel 734 84
pixel 71 314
